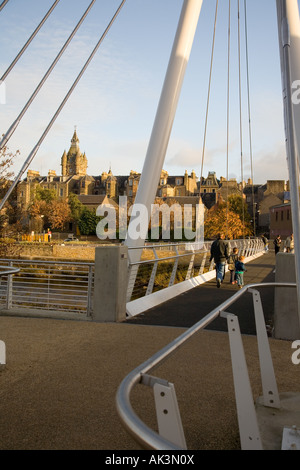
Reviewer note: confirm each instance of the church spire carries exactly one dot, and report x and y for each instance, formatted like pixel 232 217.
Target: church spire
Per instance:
pixel 74 162
pixel 75 140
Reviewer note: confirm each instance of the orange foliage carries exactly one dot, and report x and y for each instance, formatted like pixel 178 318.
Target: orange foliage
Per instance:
pixel 218 219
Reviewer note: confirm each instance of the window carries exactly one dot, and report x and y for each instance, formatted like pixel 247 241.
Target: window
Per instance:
pixel 162 181
pixel 130 182
pixel 288 214
pixel 178 182
pixel 281 215
pixel 276 216
pixel 61 192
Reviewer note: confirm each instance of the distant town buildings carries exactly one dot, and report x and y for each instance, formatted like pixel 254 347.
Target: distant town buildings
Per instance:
pixel 183 189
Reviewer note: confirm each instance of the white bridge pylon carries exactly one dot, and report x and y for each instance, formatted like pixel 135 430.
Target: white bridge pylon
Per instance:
pixel 164 118
pixel 289 49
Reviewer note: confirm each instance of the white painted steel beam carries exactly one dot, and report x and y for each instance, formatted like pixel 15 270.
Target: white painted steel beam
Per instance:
pixel 269 384
pixel 288 47
pixel 164 117
pixel 247 419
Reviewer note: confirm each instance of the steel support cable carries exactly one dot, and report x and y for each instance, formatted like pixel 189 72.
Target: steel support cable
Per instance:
pixel 3 4
pixel 16 122
pixel 228 108
pixel 37 146
pixel 208 95
pixel 249 117
pixel 240 108
pixel 4 76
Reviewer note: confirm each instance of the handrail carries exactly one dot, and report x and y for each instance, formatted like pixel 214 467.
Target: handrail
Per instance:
pixel 9 271
pixel 145 436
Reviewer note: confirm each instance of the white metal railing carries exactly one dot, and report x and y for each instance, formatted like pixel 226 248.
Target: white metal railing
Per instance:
pixel 48 285
pixel 69 286
pixel 171 434
pixel 164 265
pixel 8 272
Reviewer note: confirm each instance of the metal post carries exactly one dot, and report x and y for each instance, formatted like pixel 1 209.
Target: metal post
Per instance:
pixel 9 289
pixel 89 292
pixel 269 384
pixel 284 12
pixel 247 419
pixel 164 118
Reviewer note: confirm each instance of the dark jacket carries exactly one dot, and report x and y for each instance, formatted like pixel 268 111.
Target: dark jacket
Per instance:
pixel 233 258
pixel 219 251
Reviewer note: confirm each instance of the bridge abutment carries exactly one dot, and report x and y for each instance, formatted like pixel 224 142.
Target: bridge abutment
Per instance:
pixel 110 283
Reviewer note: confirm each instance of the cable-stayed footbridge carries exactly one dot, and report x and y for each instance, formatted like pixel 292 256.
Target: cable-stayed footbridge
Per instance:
pixel 116 261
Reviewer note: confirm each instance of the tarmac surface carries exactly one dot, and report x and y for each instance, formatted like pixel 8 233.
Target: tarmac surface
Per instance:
pixel 59 384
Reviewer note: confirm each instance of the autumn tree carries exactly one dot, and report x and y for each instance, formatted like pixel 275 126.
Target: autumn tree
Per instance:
pixel 44 194
pixel 238 205
pixel 221 219
pixel 9 212
pixel 54 214
pixel 6 162
pixel 38 213
pixel 59 214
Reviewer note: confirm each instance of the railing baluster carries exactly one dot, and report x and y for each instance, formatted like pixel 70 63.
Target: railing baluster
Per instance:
pixel 270 390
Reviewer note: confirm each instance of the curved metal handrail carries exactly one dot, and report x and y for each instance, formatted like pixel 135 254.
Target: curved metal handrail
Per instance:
pixel 145 436
pixel 9 270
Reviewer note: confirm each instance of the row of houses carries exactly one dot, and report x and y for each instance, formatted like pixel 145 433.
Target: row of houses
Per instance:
pixel 263 201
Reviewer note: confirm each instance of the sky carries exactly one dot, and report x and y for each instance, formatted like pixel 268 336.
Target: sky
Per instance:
pixel 114 104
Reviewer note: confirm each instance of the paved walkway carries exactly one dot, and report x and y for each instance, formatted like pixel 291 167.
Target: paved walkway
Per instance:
pixel 58 388
pixel 188 308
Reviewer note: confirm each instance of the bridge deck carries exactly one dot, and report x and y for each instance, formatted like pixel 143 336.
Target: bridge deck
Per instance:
pixel 59 385
pixel 188 308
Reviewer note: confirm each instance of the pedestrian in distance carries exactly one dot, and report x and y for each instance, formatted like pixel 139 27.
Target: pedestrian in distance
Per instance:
pixel 265 242
pixel 219 252
pixel 289 244
pixel 277 244
pixel 233 257
pixel 239 271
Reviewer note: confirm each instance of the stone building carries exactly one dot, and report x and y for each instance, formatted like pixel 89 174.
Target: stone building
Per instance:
pixel 92 190
pixel 281 221
pixel 74 178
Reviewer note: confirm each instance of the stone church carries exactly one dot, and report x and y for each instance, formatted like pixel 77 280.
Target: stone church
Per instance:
pixel 73 179
pixel 92 190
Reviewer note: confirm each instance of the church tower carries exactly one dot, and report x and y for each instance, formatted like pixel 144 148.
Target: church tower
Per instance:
pixel 74 162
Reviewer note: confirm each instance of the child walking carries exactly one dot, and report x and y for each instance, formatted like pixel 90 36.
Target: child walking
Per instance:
pixel 233 257
pixel 239 271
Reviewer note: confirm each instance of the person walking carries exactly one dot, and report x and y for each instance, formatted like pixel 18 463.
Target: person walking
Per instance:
pixel 277 244
pixel 219 252
pixel 265 242
pixel 289 244
pixel 239 271
pixel 233 257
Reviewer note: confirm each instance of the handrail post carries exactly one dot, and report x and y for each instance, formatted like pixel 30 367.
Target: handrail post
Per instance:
pixel 174 270
pixel 270 391
pixel 9 289
pixel 248 425
pixel 153 274
pixel 89 292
